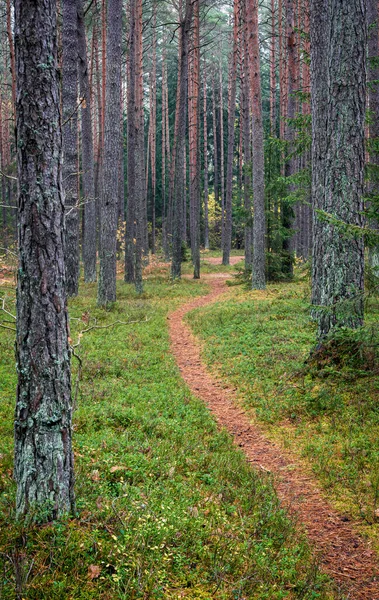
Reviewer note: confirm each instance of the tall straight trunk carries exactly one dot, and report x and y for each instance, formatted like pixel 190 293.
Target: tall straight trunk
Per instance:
pixel 222 159
pixel 338 80
pixel 70 139
pixel 373 99
pixel 193 129
pixel 185 28
pixel 245 106
pixel 228 224
pixel 216 187
pixel 111 158
pixel 165 246
pixel 259 224
pixel 153 121
pixel 131 200
pixel 43 467
pixel 273 72
pixel 89 237
pixel 139 182
pixel 206 182
pixel 2 180
pixel 11 54
pixel 290 165
pixel 172 171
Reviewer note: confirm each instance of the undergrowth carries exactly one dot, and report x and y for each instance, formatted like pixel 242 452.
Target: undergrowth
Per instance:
pixel 167 507
pixel 325 409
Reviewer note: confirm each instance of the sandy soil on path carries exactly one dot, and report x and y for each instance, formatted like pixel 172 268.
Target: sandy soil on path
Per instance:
pixel 344 555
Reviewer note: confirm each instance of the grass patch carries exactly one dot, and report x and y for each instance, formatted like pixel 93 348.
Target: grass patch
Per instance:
pixel 167 506
pixel 328 413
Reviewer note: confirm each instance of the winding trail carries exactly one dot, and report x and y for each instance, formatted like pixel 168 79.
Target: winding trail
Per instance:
pixel 343 554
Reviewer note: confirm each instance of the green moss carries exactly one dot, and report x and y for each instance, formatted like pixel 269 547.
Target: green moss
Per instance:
pixel 330 416
pixel 167 506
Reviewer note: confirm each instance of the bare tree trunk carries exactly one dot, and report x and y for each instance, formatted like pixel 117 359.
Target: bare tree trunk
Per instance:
pixel 165 145
pixel 206 184
pixel 193 127
pixel 222 160
pixel 259 224
pixel 70 145
pixel 185 27
pixel 139 183
pixel 338 79
pixel 245 106
pixel 373 99
pixel 131 200
pixel 89 237
pixel 228 224
pixel 215 147
pixel 273 72
pixel 111 158
pixel 43 453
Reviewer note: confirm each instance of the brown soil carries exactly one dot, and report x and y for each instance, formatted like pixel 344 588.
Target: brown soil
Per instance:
pixel 343 554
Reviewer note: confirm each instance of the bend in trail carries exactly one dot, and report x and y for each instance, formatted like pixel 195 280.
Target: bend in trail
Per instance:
pixel 344 555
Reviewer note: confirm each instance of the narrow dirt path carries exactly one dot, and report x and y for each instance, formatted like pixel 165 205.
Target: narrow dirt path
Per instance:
pixel 344 555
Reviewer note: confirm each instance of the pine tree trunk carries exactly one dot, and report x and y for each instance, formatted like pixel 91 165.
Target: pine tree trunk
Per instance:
pixel 89 237
pixel 206 183
pixel 193 128
pixel 185 27
pixel 131 200
pixel 222 160
pixel 111 158
pixel 373 99
pixel 70 145
pixel 43 454
pixel 245 106
pixel 227 238
pixel 139 183
pixel 259 223
pixel 216 187
pixel 338 79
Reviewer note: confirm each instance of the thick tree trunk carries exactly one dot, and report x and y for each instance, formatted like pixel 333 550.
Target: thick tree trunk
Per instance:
pixel 259 224
pixel 185 27
pixel 228 224
pixel 338 79
pixel 222 159
pixel 43 454
pixel 245 106
pixel 193 129
pixel 216 186
pixel 70 141
pixel 206 182
pixel 373 99
pixel 139 183
pixel 89 238
pixel 111 159
pixel 131 91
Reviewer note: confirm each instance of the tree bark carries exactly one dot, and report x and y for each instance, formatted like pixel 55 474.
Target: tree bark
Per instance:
pixel 89 238
pixel 70 141
pixel 338 80
pixel 373 100
pixel 193 129
pixel 131 200
pixel 43 453
pixel 111 159
pixel 206 182
pixel 228 223
pixel 259 223
pixel 245 107
pixel 185 27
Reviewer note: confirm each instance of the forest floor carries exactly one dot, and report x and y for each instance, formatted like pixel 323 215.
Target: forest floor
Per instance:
pixel 344 554
pixel 167 505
